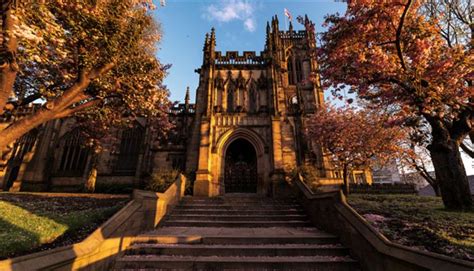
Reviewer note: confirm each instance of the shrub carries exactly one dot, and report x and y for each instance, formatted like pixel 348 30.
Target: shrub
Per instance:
pixel 310 176
pixel 160 181
pixel 190 178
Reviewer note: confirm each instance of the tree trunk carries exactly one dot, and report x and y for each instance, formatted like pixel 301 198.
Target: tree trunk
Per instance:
pixel 92 176
pixel 449 169
pixel 345 177
pixel 436 189
pixel 8 49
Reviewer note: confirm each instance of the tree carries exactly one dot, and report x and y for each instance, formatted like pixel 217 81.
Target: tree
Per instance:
pixel 455 24
pixel 395 57
pixel 355 138
pixel 73 55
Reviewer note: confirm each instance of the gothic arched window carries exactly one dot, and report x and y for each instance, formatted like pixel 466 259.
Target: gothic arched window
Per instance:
pixel 21 148
pixel 241 99
pixel 298 71
pixel 130 146
pixel 230 100
pixel 219 94
pixel 24 145
pixel 290 68
pixel 253 99
pixel 73 155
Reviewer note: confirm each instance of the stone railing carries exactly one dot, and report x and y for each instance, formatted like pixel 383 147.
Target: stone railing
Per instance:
pixel 99 250
pixel 293 35
pixel 240 120
pixel 234 58
pixel 181 108
pixel 330 212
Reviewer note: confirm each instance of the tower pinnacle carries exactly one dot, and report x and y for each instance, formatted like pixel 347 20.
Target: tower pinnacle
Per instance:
pixel 206 43
pixel 186 98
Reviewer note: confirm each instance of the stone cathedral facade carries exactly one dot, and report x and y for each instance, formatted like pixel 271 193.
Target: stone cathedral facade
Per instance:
pixel 244 134
pixel 249 112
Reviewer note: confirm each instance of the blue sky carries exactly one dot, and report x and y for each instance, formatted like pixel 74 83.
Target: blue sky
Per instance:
pixel 240 26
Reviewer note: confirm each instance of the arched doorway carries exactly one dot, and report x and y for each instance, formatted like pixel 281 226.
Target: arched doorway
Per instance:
pixel 240 171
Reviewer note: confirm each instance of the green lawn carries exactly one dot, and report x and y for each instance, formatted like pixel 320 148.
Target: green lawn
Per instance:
pixel 419 222
pixel 32 222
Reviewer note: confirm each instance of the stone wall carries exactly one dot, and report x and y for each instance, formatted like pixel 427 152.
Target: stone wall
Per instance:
pixel 397 188
pixel 330 212
pixel 99 250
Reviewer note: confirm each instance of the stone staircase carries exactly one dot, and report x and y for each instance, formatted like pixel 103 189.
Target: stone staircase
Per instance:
pixel 236 233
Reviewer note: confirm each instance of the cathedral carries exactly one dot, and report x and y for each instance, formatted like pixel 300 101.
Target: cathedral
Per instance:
pixel 244 134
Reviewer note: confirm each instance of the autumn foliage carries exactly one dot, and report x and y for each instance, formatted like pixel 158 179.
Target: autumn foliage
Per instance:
pixel 96 57
pixel 392 55
pixel 355 138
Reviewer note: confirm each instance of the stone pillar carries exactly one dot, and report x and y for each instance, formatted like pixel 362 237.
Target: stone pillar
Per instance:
pixel 204 184
pixel 368 176
pixel 278 174
pixel 277 147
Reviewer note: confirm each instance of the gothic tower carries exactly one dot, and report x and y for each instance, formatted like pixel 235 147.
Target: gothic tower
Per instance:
pixel 250 108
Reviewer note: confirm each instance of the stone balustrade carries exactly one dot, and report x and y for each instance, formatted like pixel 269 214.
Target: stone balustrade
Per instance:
pixel 240 120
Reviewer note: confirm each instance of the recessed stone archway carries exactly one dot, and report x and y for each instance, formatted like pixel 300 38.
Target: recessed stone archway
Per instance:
pixel 262 158
pixel 240 167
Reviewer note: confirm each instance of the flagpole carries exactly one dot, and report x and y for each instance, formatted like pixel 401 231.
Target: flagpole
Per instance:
pixel 286 20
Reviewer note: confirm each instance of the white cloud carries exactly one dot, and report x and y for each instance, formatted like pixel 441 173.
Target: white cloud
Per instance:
pixel 250 24
pixel 233 10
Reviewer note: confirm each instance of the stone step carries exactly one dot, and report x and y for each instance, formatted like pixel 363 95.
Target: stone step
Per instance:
pixel 238 207
pixel 333 263
pixel 235 212
pixel 222 218
pixel 238 250
pixel 236 233
pixel 256 223
pixel 316 239
pixel 237 200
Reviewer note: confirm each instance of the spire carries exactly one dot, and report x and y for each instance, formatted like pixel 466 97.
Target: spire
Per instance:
pixel 186 98
pixel 209 47
pixel 291 27
pixel 206 43
pixel 212 45
pixel 268 37
pixel 212 40
pixel 275 28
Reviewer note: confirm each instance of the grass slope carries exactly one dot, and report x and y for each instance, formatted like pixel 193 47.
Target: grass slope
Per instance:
pixel 32 222
pixel 420 222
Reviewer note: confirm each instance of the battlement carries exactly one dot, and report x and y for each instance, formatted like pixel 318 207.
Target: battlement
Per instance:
pixel 301 34
pixel 182 108
pixel 233 57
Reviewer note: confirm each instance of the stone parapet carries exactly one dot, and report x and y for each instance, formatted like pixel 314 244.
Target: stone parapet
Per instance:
pixel 99 250
pixel 330 212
